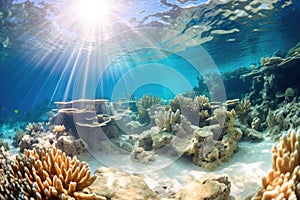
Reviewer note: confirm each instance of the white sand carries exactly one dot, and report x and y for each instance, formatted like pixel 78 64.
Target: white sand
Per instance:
pixel 245 170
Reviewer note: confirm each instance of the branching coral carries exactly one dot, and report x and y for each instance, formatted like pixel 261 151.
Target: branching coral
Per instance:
pixel 46 175
pixel 144 104
pixel 59 128
pixel 283 181
pixel 203 102
pixel 33 128
pixel 242 111
pixel 165 119
pixel 196 111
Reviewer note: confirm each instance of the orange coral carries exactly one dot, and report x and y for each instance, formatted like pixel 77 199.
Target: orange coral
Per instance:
pixel 46 175
pixel 59 128
pixel 283 180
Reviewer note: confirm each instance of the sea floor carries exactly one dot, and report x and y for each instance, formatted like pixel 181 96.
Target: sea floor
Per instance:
pixel 245 171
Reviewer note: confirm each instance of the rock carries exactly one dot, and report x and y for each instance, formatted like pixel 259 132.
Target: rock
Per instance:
pixel 70 145
pixel 146 141
pixel 254 135
pixel 206 188
pixel 117 185
pixel 25 142
pixel 142 156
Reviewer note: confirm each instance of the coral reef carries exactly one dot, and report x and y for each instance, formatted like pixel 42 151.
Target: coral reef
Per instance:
pixel 242 110
pixel 46 174
pixel 208 146
pixel 144 105
pixel 273 96
pixel 165 119
pixel 94 120
pixel 215 144
pixel 282 182
pixel 81 111
pixel 294 51
pixel 187 107
pixel 282 119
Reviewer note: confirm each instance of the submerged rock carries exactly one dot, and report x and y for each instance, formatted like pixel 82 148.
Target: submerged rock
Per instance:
pixel 206 188
pixel 118 185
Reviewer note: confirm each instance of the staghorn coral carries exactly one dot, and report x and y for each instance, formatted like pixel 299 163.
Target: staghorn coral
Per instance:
pixel 283 180
pixel 46 175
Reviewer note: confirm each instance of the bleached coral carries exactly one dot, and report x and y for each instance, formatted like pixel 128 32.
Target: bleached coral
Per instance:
pixel 283 180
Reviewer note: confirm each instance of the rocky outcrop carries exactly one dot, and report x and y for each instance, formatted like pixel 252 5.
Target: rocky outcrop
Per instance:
pixel 206 188
pixel 114 184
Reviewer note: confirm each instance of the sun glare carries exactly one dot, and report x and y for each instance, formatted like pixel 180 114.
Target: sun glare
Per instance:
pixel 93 12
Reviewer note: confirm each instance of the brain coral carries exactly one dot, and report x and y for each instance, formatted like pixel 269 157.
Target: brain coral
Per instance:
pixel 283 180
pixel 47 174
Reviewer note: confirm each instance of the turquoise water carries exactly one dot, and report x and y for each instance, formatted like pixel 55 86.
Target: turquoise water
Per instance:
pixel 43 48
pixel 103 80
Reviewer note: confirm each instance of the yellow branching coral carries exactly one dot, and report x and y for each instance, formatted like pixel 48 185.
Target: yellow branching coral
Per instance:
pixel 242 110
pixel 59 128
pixel 203 102
pixel 144 105
pixel 46 175
pixel 283 180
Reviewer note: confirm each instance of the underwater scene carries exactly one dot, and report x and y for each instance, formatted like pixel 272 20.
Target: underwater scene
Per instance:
pixel 149 99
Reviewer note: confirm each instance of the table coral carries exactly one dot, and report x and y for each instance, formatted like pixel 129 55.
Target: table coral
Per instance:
pixel 46 175
pixel 283 180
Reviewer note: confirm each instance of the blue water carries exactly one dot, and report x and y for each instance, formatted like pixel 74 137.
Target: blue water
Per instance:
pixel 44 57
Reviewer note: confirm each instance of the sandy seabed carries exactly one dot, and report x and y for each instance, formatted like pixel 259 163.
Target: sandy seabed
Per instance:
pixel 245 170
